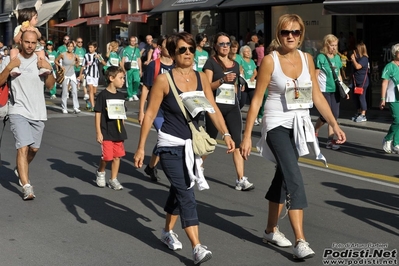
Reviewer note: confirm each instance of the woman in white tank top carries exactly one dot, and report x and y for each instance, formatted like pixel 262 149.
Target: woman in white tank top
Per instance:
pixel 290 77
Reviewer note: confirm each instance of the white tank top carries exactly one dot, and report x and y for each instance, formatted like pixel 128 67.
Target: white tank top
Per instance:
pixel 275 109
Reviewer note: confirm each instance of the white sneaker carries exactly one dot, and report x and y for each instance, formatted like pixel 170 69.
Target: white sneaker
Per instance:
pixel 28 192
pixel 64 111
pixel 114 184
pixel 76 110
pixel 302 250
pixel 387 145
pixel 170 239
pixel 130 99
pixel 256 122
pixel 201 254
pixel 135 98
pixel 19 179
pixel 100 179
pixel 86 97
pixel 244 184
pixel 395 149
pixel 276 238
pixel 53 97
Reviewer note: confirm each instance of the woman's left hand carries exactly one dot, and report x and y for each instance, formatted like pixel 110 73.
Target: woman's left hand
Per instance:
pixel 229 143
pixel 138 158
pixel 341 137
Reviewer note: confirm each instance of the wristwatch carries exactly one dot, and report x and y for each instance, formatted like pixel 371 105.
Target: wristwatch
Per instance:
pixel 221 81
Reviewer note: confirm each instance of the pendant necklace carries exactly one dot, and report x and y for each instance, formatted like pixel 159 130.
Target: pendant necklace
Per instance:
pixel 188 74
pixel 288 60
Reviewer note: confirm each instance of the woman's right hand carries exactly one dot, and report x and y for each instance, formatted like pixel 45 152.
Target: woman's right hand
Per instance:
pixel 138 158
pixel 231 77
pixel 246 147
pixel 382 104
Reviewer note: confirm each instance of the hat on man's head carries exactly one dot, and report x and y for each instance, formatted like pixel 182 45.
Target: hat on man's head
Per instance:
pixel 49 43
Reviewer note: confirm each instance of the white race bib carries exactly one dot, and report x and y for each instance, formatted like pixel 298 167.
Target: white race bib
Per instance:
pixel 201 61
pixel 114 61
pixel 51 58
pixel 116 109
pixel 298 94
pixel 226 94
pixel 134 64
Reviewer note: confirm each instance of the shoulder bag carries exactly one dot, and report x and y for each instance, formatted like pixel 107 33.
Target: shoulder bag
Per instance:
pixel 340 87
pixel 203 144
pixel 359 90
pixel 128 65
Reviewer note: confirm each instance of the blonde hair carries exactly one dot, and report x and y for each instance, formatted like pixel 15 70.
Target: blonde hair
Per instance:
pixel 285 20
pixel 327 40
pixel 394 49
pixel 361 50
pixel 274 44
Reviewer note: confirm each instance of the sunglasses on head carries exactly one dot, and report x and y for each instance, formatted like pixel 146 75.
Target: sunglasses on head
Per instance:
pixel 223 44
pixel 183 49
pixel 294 33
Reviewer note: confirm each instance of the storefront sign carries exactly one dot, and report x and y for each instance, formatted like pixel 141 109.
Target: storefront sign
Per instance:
pixel 149 4
pixel 137 17
pixel 118 6
pixel 90 9
pixel 188 2
pixel 98 20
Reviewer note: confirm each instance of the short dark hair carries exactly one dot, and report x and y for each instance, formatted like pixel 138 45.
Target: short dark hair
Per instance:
pixel 199 37
pixel 112 71
pixel 26 14
pixel 92 43
pixel 171 44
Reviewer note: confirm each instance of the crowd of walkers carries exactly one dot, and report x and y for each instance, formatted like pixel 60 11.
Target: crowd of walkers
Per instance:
pixel 279 82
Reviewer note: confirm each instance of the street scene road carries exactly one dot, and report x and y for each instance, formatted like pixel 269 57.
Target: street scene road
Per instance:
pixel 353 204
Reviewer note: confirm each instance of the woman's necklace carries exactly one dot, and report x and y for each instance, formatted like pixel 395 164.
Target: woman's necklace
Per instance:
pixel 288 60
pixel 188 74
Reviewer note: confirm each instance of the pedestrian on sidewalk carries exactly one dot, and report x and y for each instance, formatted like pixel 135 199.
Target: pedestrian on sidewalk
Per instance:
pixel 174 142
pixel 360 63
pixel 326 62
pixel 110 131
pixel 390 82
pixel 27 110
pixel 222 73
pixel 289 74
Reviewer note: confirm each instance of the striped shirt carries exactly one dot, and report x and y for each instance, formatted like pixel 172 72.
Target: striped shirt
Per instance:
pixel 91 65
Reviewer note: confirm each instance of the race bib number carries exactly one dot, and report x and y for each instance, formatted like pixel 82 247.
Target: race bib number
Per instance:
pixel 116 109
pixel 201 61
pixel 114 61
pixel 134 64
pixel 51 58
pixel 80 60
pixel 298 94
pixel 226 94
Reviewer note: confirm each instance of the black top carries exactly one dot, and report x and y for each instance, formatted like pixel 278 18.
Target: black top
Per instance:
pixel 175 122
pixel 109 127
pixel 149 73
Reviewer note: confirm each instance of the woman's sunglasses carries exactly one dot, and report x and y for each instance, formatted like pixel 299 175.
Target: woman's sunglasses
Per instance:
pixel 223 44
pixel 294 33
pixel 183 49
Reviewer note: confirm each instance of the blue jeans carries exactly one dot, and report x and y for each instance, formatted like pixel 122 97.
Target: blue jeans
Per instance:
pixel 181 201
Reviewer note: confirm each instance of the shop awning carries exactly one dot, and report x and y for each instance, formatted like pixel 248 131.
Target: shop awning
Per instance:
pixel 48 10
pixel 361 7
pixel 245 3
pixel 115 17
pixel 71 23
pixel 177 5
pixel 5 17
pixel 135 17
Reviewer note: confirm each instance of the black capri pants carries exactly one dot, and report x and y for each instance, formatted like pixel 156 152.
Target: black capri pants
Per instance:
pixel 287 183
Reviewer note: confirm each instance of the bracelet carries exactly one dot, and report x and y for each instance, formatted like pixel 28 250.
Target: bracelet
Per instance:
pixel 225 134
pixel 382 99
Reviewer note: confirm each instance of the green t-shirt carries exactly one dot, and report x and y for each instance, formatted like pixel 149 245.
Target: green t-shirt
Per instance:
pixel 132 54
pixel 80 52
pixel 249 68
pixel 391 73
pixel 326 78
pixel 62 49
pixel 238 59
pixel 52 56
pixel 200 59
pixel 113 60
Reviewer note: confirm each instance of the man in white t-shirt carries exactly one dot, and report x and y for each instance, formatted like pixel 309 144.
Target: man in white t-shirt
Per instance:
pixel 27 110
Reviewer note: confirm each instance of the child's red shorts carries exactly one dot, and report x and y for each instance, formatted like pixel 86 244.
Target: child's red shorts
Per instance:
pixel 112 149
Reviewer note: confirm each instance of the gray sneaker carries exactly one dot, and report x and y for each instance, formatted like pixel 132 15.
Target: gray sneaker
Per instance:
pixel 100 179
pixel 19 179
pixel 114 184
pixel 244 184
pixel 201 254
pixel 361 118
pixel 28 192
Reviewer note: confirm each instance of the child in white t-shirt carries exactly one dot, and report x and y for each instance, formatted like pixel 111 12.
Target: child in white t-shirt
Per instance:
pixel 27 20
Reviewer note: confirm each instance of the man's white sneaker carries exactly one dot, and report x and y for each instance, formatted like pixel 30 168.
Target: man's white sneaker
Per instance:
pixel 64 111
pixel 201 254
pixel 100 180
pixel 395 149
pixel 19 179
pixel 130 99
pixel 276 238
pixel 28 192
pixel 244 184
pixel 170 239
pixel 52 97
pixel 302 250
pixel 76 110
pixel 387 145
pixel 135 98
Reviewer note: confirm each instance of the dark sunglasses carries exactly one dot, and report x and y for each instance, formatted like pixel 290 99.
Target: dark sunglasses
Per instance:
pixel 79 42
pixel 66 39
pixel 223 44
pixel 294 33
pixel 183 49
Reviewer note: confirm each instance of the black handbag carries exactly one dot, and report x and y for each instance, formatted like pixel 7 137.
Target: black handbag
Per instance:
pixel 338 85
